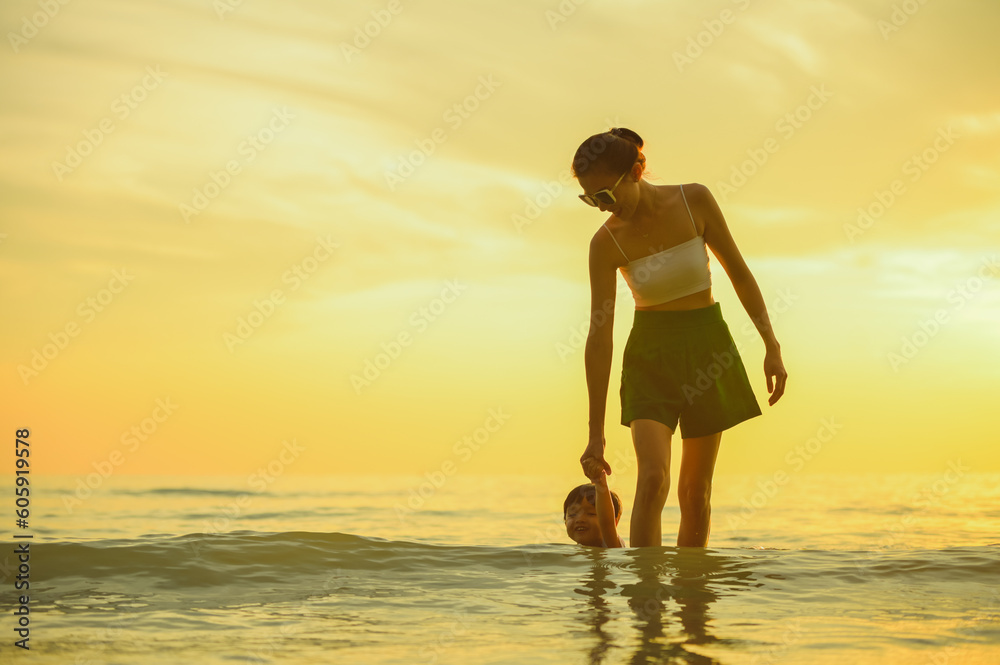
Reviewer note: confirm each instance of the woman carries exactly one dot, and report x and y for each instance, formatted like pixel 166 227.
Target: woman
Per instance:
pixel 680 363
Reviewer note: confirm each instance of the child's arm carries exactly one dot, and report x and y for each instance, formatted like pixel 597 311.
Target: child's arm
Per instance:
pixel 606 511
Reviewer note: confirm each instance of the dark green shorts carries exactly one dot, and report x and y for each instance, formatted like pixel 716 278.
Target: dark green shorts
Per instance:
pixel 683 365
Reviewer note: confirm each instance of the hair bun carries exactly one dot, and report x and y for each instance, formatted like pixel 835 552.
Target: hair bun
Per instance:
pixel 615 150
pixel 627 134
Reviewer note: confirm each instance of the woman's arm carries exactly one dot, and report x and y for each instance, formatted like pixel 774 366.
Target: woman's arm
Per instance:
pixel 720 241
pixel 599 347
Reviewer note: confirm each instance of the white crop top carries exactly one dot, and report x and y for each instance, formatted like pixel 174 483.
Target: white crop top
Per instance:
pixel 675 272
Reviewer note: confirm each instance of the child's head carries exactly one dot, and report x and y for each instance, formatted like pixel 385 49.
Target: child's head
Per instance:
pixel 580 514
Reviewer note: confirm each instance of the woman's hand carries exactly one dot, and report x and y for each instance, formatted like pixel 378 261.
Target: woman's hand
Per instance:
pixel 773 367
pixel 600 477
pixel 592 460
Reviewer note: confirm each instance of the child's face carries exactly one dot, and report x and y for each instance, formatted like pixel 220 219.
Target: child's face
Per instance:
pixel 581 524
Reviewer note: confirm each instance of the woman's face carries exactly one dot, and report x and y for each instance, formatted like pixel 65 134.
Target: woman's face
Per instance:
pixel 625 193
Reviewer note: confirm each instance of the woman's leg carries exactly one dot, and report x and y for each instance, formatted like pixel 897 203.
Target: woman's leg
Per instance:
pixel 694 489
pixel 652 452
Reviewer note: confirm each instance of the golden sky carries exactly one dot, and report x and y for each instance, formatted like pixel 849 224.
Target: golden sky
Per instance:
pixel 217 217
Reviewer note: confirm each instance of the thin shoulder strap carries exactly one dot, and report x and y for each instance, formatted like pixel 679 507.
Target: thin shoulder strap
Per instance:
pixel 688 209
pixel 616 242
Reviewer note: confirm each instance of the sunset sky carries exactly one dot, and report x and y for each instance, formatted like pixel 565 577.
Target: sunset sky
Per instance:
pixel 233 229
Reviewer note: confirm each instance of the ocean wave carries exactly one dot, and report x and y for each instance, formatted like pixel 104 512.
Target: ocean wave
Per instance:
pixel 157 574
pixel 201 558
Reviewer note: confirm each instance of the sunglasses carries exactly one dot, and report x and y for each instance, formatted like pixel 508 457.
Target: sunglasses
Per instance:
pixel 604 196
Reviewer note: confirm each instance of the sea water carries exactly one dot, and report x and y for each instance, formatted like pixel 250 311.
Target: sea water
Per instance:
pixel 823 569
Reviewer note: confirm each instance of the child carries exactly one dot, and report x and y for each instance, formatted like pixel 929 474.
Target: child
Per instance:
pixel 592 512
